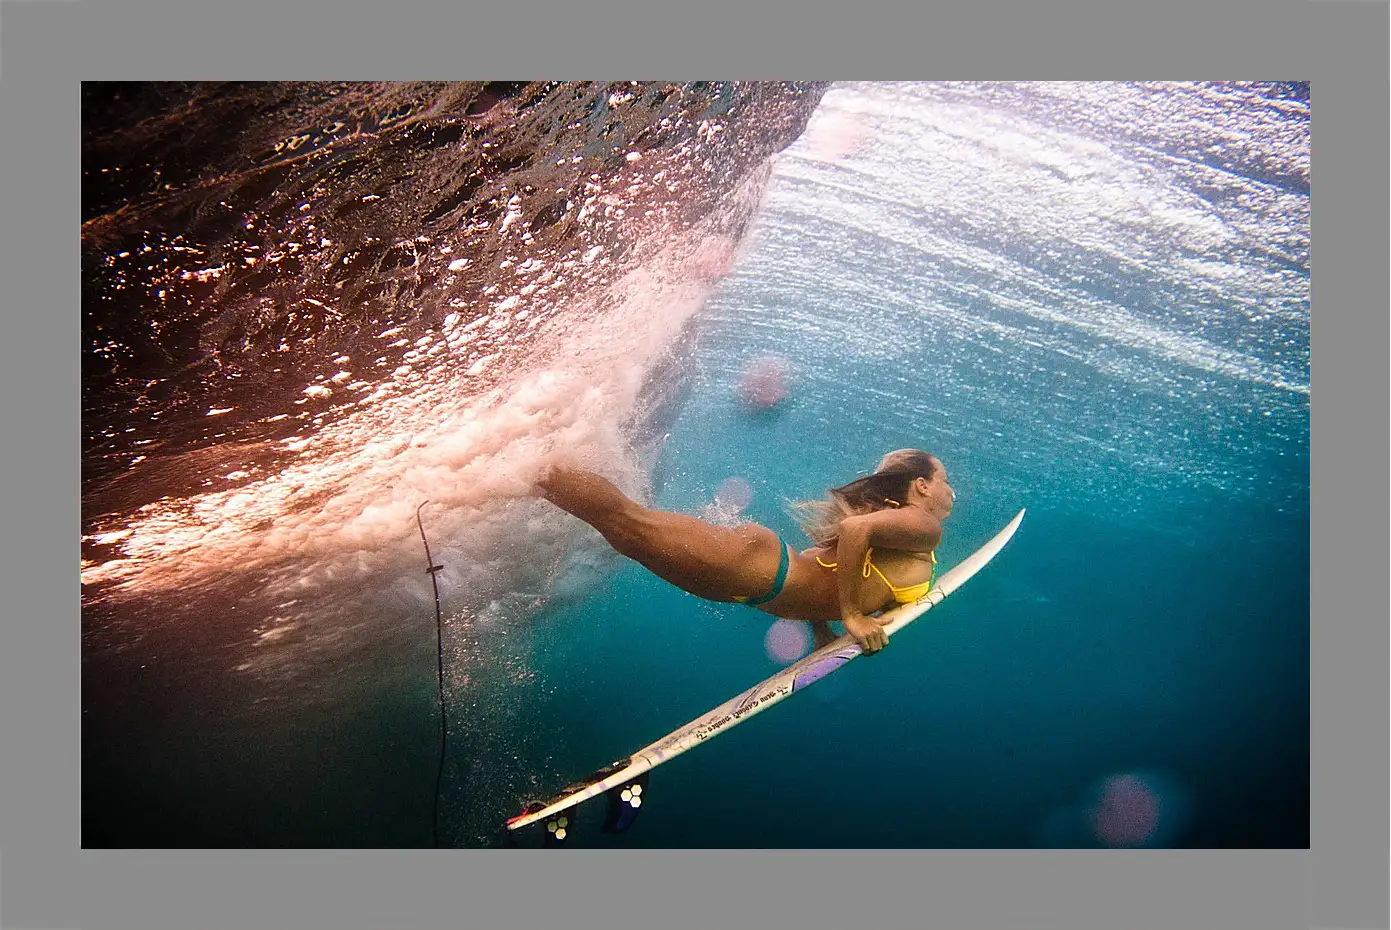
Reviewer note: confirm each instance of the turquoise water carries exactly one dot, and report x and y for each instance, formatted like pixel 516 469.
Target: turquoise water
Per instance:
pixel 1089 300
pixel 1150 617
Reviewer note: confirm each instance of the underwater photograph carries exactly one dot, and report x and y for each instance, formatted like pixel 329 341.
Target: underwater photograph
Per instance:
pixel 460 459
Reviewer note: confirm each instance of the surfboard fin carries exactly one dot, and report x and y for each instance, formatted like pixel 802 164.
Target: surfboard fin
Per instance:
pixel 624 803
pixel 557 830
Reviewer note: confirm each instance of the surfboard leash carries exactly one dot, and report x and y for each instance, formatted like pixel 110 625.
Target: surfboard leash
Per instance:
pixel 432 571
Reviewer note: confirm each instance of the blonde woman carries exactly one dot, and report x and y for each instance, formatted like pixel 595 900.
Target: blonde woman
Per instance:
pixel 875 540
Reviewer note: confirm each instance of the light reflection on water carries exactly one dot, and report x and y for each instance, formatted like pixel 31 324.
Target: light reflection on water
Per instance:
pixel 1111 275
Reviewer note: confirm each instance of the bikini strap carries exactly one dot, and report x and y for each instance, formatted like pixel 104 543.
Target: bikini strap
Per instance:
pixel 870 566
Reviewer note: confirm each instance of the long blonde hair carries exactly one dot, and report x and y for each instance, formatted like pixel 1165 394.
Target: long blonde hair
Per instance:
pixel 885 488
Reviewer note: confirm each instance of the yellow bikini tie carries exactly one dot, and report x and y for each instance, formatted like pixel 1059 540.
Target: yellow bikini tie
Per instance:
pixel 901 595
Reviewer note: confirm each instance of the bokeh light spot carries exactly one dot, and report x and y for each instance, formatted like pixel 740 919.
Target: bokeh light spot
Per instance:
pixel 787 641
pixel 764 383
pixel 734 494
pixel 1127 812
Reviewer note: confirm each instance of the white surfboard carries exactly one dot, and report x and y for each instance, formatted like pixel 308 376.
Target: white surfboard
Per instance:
pixel 628 772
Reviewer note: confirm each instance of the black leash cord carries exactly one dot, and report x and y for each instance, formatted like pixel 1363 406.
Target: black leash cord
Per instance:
pixel 439 648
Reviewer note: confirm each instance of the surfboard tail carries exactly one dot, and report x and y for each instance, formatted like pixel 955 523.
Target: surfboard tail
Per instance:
pixel 554 829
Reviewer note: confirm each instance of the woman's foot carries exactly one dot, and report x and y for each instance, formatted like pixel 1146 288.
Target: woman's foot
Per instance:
pixel 559 480
pixel 555 475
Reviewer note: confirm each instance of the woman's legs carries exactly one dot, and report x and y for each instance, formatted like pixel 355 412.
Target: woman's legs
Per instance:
pixel 713 562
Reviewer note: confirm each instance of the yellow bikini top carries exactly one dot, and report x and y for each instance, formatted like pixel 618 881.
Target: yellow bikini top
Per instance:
pixel 902 595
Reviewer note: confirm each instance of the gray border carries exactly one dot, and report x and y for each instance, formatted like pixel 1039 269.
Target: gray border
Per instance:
pixel 47 882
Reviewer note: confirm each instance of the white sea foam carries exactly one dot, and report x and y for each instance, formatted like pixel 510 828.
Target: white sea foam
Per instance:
pixel 346 510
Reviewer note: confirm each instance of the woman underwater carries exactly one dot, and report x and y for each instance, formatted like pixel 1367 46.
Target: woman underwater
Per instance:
pixel 887 525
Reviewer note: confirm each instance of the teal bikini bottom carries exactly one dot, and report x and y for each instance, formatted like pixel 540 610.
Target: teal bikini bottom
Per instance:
pixel 778 581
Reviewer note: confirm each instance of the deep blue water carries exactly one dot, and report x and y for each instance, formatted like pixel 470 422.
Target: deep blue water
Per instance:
pixel 999 709
pixel 1089 300
pixel 1150 617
